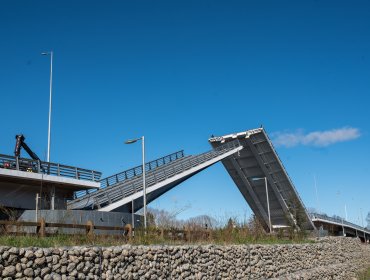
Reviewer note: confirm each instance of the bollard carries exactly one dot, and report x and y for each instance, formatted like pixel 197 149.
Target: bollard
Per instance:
pixel 210 237
pixel 187 234
pixel 40 229
pixel 90 228
pixel 128 231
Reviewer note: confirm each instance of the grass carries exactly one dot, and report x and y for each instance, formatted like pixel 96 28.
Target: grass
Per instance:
pixel 245 236
pixel 193 234
pixel 59 241
pixel 365 275
pixel 152 237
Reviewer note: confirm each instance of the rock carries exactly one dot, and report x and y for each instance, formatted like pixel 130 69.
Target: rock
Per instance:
pixel 46 251
pixel 39 253
pixel 331 258
pixel 18 267
pixel 71 267
pixel 5 255
pixel 12 258
pixel 55 259
pixel 57 276
pixel 106 254
pixel 29 254
pixel 56 267
pixel 9 271
pixel 63 269
pixel 14 251
pixel 39 261
pixel 45 271
pixel 28 272
pixel 80 266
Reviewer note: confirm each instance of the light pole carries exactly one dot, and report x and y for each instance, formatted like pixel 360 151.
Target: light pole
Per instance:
pixel 267 197
pixel 344 234
pixel 50 100
pixel 131 141
pixel 317 196
pixel 363 227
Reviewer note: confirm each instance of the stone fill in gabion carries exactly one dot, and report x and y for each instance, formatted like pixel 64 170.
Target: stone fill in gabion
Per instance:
pixel 329 258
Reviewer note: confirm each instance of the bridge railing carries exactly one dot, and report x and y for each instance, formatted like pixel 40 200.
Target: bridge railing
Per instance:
pixel 114 193
pixel 153 178
pixel 138 170
pixel 131 173
pixel 48 168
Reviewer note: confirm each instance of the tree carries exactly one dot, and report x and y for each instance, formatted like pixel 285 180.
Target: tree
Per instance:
pixel 165 219
pixel 202 221
pixel 255 226
pixel 312 210
pixel 298 214
pixel 231 224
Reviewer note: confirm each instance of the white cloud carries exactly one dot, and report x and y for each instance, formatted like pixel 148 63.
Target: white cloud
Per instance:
pixel 316 138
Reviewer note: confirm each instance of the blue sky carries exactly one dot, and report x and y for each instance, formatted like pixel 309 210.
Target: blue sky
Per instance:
pixel 179 71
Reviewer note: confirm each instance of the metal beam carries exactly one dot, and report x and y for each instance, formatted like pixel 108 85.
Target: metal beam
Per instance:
pixel 270 179
pixel 169 180
pixel 249 187
pixel 290 181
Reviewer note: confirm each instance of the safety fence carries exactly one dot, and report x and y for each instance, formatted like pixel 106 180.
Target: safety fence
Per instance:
pixel 41 227
pixel 19 227
pixel 48 168
pixel 108 195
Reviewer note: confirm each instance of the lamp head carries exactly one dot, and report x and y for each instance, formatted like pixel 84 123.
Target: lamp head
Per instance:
pixel 131 141
pixel 257 178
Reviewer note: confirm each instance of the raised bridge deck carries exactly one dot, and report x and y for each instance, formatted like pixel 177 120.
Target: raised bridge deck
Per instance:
pixel 119 194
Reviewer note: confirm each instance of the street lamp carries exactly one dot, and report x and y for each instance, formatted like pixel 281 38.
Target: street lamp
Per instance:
pixel 363 227
pixel 345 209
pixel 131 141
pixel 50 100
pixel 267 197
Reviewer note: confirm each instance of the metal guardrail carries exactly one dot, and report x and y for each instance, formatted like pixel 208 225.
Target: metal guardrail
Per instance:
pixel 138 170
pixel 106 196
pixel 339 221
pixel 49 168
pixel 131 173
pixel 17 227
pixel 89 229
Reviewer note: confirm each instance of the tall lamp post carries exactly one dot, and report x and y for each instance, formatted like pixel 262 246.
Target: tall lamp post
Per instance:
pixel 131 141
pixel 345 209
pixel 50 100
pixel 363 227
pixel 267 197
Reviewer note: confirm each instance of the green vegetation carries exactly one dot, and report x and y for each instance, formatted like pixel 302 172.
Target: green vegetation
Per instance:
pixel 59 240
pixel 227 235
pixel 165 229
pixel 365 275
pixel 141 239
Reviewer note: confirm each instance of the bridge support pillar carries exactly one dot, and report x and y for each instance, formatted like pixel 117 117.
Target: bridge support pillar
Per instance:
pixel 52 198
